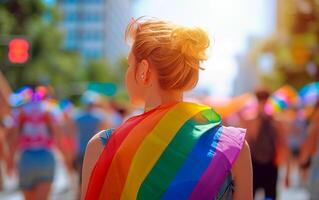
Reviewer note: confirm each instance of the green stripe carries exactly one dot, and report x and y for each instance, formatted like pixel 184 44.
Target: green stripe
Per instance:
pixel 168 165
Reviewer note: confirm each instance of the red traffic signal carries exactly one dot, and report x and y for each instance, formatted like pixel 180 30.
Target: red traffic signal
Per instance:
pixel 18 51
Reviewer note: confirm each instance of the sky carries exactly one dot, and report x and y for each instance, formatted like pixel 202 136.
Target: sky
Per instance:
pixel 230 23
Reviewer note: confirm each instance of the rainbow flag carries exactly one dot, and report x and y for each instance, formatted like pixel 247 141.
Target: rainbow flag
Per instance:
pixel 285 97
pixel 177 150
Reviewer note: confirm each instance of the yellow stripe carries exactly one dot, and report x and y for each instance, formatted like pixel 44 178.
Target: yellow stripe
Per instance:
pixel 154 145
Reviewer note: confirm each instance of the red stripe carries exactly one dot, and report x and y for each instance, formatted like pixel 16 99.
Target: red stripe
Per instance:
pixel 101 168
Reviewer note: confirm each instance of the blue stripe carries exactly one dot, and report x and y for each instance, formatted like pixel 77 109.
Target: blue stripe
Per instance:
pixel 197 162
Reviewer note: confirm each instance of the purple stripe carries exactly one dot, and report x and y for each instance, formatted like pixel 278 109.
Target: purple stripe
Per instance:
pixel 195 165
pixel 227 150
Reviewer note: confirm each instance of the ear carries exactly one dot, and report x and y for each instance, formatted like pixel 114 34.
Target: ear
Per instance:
pixel 144 72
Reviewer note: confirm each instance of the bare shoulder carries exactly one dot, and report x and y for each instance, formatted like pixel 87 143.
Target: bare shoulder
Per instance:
pixel 95 142
pixel 94 148
pixel 245 150
pixel 243 160
pixel 242 174
pixel 92 154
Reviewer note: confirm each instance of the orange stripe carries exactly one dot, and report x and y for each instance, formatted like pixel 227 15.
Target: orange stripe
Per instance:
pixel 155 144
pixel 118 171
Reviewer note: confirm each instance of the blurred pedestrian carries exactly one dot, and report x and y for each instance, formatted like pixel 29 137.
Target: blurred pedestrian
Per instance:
pixel 62 111
pixel 6 123
pixel 116 113
pixel 296 127
pixel 68 134
pixel 310 154
pixel 266 143
pixel 87 122
pixel 33 137
pixel 2 152
pixel 175 149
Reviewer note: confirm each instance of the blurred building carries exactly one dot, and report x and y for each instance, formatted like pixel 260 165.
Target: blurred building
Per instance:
pixel 250 65
pixel 247 78
pixel 96 28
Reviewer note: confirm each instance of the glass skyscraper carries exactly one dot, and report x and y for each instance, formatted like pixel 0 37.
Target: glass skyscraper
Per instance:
pixel 96 28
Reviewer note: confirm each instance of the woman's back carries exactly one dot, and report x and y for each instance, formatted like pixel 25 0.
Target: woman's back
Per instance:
pixel 179 151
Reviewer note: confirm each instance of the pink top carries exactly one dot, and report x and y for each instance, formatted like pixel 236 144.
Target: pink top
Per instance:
pixel 33 121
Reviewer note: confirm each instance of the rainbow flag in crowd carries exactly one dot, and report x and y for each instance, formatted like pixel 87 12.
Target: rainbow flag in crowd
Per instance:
pixel 175 151
pixel 283 98
pixel 310 94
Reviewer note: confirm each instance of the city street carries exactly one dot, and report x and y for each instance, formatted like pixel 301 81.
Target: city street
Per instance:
pixel 63 188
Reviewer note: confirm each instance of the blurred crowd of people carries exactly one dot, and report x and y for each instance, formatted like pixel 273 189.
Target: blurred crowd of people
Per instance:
pixel 37 127
pixel 287 138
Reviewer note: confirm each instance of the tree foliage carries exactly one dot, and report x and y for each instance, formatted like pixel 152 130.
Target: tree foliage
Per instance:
pixel 49 62
pixel 295 46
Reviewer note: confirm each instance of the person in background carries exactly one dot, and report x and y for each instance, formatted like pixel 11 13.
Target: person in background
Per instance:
pixel 267 145
pixel 87 122
pixel 6 123
pixel 175 149
pixel 3 156
pixel 296 129
pixel 68 134
pixel 34 136
pixel 309 155
pixel 117 114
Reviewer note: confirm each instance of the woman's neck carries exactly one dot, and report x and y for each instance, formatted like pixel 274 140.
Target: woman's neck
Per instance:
pixel 159 98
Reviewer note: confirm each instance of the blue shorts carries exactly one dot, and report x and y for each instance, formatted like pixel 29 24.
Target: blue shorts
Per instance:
pixel 35 166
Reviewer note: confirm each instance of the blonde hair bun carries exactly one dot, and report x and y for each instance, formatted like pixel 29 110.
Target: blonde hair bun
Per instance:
pixel 192 42
pixel 174 51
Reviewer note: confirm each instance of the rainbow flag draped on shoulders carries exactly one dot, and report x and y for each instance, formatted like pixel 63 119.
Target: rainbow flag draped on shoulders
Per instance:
pixel 174 151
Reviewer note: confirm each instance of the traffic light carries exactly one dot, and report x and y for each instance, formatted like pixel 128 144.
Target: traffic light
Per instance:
pixel 18 50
